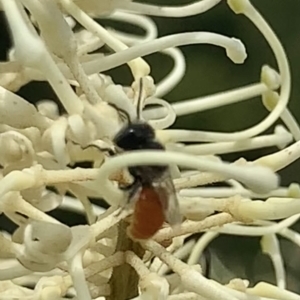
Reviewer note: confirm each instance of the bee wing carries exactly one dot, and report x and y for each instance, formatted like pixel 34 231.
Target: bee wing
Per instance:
pixel 167 194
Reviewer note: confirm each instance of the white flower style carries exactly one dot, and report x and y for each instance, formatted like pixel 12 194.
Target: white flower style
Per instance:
pixel 39 147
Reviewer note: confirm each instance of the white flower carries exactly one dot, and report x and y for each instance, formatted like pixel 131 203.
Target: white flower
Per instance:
pixel 40 147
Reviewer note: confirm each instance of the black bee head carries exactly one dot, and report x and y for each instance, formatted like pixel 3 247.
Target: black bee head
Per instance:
pixel 134 136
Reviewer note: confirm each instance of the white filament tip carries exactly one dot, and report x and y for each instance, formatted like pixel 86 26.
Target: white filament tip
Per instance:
pixel 261 179
pixel 237 52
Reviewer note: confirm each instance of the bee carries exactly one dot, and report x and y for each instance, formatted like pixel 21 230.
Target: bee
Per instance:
pixel 152 192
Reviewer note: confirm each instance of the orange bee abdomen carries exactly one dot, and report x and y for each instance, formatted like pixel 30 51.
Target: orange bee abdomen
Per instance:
pixel 148 215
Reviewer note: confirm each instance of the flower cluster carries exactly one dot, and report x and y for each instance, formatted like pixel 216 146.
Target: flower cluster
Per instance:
pixel 42 147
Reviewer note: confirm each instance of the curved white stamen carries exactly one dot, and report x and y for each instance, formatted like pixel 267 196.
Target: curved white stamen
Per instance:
pixel 58 140
pixel 270 292
pixel 165 122
pixel 246 174
pixel 201 244
pixel 138 66
pixel 270 101
pixel 245 7
pixel 26 41
pixel 91 44
pixel 270 246
pixel 77 273
pixel 190 106
pixel 15 270
pixel 210 192
pixel 280 139
pixel 144 22
pixel 265 227
pixel 175 76
pixel 169 11
pixel 281 159
pixel 291 123
pixel 234 48
pixel 178 71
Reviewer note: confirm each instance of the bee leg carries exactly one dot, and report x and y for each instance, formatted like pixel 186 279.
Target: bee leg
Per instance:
pixel 132 192
pixel 131 195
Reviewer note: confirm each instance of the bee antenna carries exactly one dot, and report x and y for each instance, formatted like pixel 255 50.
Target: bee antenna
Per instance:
pixel 139 103
pixel 123 113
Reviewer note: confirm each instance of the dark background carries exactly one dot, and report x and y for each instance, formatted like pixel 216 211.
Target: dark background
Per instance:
pixel 210 71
